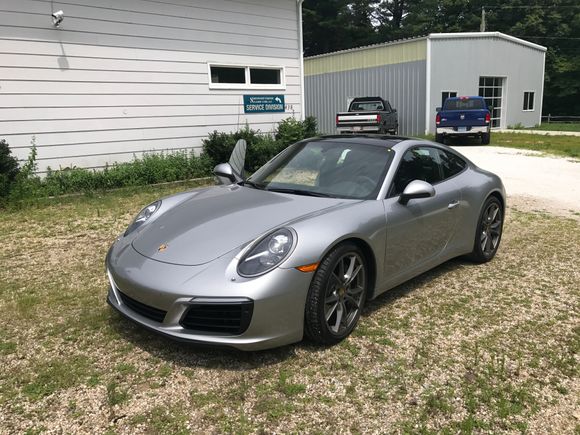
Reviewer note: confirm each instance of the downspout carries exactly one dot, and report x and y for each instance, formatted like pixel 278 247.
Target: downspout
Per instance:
pixel 542 87
pixel 301 49
pixel 428 86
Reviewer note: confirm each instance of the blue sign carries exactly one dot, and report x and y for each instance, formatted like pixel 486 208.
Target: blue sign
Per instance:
pixel 263 103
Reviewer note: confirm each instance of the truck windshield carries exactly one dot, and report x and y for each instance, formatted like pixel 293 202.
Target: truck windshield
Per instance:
pixel 321 168
pixel 463 104
pixel 366 106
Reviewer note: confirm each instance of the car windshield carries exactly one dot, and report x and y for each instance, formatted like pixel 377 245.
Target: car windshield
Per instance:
pixel 330 169
pixel 463 104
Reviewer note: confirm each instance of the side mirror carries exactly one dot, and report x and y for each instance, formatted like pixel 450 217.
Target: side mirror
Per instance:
pixel 416 189
pixel 224 173
pixel 437 109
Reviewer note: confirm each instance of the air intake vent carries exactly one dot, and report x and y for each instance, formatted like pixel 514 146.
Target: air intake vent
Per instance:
pixel 226 318
pixel 142 309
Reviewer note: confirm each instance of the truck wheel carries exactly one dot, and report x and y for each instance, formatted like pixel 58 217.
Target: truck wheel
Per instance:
pixel 395 131
pixel 485 138
pixel 439 138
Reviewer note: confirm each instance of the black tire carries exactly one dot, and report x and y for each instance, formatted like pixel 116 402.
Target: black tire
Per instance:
pixel 328 295
pixel 395 131
pixel 489 231
pixel 485 138
pixel 439 138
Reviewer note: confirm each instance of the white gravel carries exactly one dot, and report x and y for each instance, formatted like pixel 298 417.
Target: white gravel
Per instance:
pixel 531 178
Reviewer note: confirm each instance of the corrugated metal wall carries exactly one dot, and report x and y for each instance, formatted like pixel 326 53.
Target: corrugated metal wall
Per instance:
pixel 119 78
pixel 403 84
pixel 457 64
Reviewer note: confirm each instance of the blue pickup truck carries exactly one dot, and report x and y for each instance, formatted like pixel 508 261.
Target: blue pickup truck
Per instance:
pixel 463 117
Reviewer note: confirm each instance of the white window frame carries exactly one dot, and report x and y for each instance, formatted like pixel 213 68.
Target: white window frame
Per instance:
pixel 248 84
pixel 504 98
pixel 449 92
pixel 533 109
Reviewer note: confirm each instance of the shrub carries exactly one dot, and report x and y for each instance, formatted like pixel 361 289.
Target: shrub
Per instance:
pixel 8 169
pixel 260 147
pixel 17 184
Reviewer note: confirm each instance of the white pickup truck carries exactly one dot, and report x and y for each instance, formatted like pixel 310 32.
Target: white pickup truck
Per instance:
pixel 368 115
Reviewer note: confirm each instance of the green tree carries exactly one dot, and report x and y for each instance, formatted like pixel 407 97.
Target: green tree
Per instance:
pixel 331 25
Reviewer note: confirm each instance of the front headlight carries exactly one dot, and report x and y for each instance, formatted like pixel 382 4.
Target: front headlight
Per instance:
pixel 267 253
pixel 143 216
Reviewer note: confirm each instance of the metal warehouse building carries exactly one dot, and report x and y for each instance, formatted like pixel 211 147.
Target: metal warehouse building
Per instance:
pixel 117 78
pixel 416 75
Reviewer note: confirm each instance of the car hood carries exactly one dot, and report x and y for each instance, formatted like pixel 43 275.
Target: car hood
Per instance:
pixel 214 221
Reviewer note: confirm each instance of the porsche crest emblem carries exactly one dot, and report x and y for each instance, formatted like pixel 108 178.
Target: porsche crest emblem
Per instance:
pixel 162 248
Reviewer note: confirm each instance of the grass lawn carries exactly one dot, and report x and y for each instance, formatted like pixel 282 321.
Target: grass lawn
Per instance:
pixel 566 146
pixel 463 348
pixel 558 126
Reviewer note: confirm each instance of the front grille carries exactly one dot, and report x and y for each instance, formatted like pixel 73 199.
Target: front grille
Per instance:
pixel 143 309
pixel 227 318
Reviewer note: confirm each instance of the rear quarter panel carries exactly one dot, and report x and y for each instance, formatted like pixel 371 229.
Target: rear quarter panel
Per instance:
pixel 477 185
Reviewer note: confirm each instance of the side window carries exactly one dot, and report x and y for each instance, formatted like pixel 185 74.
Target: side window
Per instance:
pixel 417 164
pixel 450 164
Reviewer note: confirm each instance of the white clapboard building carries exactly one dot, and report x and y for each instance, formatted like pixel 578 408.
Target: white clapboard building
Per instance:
pixel 117 78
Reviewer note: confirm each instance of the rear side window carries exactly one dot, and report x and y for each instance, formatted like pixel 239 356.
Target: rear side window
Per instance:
pixel 417 164
pixel 364 106
pixel 463 104
pixel 450 164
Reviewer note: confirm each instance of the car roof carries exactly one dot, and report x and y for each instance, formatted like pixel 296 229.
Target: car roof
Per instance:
pixel 381 140
pixel 465 97
pixel 361 99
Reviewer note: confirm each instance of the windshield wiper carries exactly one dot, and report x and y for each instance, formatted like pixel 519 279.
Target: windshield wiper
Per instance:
pixel 301 192
pixel 252 184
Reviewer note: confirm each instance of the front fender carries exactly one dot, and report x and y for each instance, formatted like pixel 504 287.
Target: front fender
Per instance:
pixel 317 235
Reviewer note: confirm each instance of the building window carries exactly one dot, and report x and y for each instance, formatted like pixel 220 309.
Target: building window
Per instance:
pixel 529 101
pixel 491 89
pixel 246 77
pixel 447 94
pixel 227 74
pixel 265 76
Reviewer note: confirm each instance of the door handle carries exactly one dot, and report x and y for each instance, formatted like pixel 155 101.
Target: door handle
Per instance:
pixel 453 204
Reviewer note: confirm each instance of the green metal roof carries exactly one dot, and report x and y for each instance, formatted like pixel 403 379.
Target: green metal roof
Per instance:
pixel 367 57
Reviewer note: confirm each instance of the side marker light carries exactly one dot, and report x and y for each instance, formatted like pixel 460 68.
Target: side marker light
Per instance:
pixel 308 267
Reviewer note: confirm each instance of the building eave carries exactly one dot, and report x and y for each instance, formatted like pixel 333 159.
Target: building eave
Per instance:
pixel 467 35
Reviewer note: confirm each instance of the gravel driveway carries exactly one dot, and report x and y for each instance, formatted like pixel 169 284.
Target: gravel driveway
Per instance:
pixel 532 179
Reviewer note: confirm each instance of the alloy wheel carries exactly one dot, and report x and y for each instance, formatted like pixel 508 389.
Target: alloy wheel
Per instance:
pixel 344 293
pixel 490 229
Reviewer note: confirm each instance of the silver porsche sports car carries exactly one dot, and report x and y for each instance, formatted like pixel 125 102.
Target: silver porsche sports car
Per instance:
pixel 298 247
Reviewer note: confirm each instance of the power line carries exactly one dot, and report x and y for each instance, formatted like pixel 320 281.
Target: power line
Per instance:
pixel 529 7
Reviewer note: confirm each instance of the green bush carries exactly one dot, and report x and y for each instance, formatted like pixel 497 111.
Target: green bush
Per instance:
pixel 19 184
pixel 150 169
pixel 261 147
pixel 8 169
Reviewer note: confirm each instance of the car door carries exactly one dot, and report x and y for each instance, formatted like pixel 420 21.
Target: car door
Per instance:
pixel 418 231
pixel 391 123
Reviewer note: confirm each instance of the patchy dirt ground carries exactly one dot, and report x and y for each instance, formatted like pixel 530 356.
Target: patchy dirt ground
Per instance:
pixel 463 348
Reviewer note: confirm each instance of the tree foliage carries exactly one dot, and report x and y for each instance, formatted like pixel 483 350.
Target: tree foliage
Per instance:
pixel 331 25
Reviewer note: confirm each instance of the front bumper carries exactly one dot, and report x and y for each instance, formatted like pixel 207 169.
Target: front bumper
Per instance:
pixel 469 131
pixel 277 298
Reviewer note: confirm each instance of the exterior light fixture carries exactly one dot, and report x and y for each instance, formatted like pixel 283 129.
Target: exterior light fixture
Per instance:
pixel 57 18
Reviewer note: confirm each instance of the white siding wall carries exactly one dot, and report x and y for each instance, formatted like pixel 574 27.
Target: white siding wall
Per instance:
pixel 457 64
pixel 123 77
